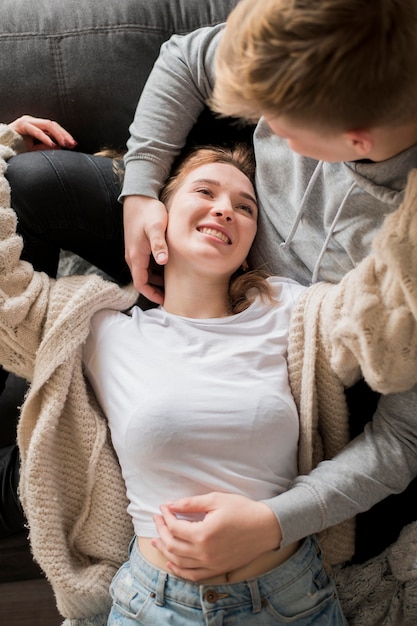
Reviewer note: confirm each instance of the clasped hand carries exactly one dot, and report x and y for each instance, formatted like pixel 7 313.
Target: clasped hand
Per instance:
pixel 235 530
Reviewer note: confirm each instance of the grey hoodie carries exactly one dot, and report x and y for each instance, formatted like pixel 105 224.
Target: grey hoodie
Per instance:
pixel 317 221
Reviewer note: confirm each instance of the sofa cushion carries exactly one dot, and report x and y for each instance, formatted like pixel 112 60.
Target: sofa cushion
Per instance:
pixel 84 64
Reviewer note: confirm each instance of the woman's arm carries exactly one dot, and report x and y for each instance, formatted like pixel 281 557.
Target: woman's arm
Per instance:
pixel 173 98
pixel 23 293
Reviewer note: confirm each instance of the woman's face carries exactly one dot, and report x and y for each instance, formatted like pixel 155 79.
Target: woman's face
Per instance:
pixel 212 219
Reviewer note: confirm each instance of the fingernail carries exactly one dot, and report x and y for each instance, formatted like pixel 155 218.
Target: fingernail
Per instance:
pixel 161 257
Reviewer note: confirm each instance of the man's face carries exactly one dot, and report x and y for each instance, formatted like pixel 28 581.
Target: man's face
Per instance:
pixel 328 146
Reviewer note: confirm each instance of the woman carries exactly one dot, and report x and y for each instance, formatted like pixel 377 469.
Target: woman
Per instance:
pixel 182 384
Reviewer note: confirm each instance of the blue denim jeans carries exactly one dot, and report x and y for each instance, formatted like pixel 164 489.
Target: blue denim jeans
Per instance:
pixel 297 592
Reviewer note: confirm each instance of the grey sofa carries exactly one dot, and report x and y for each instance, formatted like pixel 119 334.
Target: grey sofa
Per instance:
pixel 84 62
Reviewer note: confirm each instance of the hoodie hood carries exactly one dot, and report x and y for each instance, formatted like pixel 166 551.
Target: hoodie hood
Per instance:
pixel 385 180
pixel 317 219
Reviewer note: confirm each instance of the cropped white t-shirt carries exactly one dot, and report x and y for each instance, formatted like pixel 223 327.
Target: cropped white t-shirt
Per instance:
pixel 197 405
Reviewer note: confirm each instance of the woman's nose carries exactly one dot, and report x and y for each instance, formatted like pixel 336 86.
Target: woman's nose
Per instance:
pixel 225 211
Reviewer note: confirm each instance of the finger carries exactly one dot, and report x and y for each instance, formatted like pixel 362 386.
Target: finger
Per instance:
pixel 193 504
pixel 195 574
pixel 45 141
pixel 155 274
pixel 138 263
pixel 176 534
pixel 61 136
pixel 150 292
pixel 140 280
pixel 171 547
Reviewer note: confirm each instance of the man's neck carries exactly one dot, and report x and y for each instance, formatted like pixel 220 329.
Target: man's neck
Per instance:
pixel 390 141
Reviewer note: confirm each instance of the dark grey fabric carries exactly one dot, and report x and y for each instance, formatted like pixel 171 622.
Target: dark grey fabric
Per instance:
pixel 84 62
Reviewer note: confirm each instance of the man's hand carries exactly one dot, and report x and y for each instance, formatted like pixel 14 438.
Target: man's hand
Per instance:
pixel 145 221
pixel 234 531
pixel 40 134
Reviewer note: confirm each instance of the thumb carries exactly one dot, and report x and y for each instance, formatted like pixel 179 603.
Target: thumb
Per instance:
pixel 159 248
pixel 159 251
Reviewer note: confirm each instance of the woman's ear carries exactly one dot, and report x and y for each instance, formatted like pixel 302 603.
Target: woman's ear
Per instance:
pixel 361 141
pixel 245 265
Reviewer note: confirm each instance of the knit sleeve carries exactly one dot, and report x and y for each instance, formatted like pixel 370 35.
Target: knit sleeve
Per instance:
pixel 23 292
pixel 369 320
pixel 12 139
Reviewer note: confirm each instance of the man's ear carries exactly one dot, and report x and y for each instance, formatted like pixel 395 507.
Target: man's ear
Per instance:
pixel 361 141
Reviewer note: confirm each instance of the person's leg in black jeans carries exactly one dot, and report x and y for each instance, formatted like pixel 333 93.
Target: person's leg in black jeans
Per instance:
pixel 63 200
pixel 68 200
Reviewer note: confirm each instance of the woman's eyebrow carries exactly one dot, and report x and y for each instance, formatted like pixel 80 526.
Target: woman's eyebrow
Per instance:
pixel 212 181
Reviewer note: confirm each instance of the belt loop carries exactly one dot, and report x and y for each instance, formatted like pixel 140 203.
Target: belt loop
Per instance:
pixel 160 588
pixel 255 595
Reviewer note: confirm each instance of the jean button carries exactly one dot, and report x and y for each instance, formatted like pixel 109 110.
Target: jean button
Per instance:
pixel 211 596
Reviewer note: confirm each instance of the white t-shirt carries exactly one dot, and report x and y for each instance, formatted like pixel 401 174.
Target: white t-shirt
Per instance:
pixel 197 405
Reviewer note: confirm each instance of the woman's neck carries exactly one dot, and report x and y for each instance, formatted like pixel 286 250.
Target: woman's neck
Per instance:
pixel 198 297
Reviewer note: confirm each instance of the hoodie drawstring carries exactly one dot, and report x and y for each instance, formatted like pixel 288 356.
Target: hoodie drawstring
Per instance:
pixel 286 244
pixel 329 234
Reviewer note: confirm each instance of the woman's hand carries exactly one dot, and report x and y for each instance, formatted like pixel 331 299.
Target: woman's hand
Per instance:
pixel 145 221
pixel 40 134
pixel 235 530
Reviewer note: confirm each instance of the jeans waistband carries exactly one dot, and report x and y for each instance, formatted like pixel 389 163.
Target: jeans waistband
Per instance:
pixel 164 585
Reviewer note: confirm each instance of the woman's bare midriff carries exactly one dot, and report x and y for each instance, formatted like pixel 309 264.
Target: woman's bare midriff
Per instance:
pixel 262 564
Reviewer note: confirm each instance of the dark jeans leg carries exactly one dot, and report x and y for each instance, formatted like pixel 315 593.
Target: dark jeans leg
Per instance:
pixel 68 200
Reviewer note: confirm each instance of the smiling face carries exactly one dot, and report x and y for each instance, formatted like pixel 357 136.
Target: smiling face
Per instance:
pixel 212 220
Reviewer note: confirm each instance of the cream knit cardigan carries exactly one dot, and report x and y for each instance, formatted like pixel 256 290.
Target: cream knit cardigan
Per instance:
pixel 71 486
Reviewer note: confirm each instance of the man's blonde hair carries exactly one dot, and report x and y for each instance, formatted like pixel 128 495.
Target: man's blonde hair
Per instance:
pixel 341 64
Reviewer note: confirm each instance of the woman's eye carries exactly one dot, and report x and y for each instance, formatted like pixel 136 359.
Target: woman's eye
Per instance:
pixel 204 190
pixel 247 208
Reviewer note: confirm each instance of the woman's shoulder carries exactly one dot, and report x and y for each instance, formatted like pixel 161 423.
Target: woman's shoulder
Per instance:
pixel 286 288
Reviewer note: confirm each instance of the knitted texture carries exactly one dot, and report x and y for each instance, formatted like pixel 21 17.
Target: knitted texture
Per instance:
pixel 369 319
pixel 382 591
pixel 12 139
pixel 71 485
pixel 321 403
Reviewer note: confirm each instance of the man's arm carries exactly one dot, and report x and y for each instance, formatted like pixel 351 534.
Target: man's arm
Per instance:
pixel 171 102
pixel 379 462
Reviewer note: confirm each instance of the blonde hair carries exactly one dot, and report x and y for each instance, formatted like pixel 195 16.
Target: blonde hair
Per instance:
pixel 244 285
pixel 340 64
